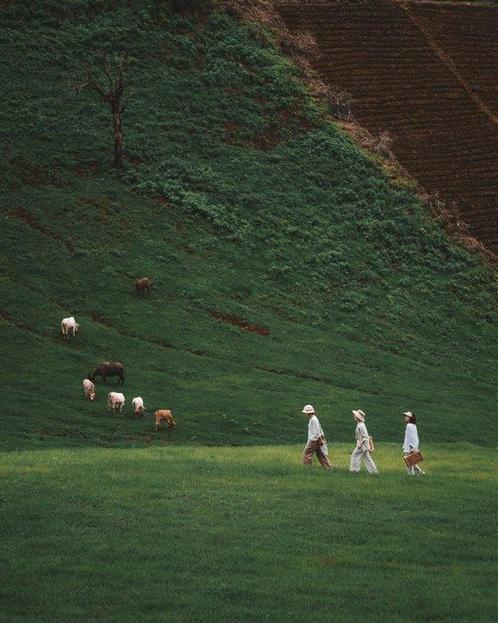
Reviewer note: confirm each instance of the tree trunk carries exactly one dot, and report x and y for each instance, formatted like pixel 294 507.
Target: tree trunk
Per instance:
pixel 118 139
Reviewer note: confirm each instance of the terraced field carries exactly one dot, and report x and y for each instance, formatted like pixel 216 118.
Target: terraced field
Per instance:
pixel 428 74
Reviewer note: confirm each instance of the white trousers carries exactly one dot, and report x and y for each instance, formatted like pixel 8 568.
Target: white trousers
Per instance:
pixel 357 457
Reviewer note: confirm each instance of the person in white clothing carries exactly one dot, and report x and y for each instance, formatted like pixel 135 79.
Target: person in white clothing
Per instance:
pixel 316 444
pixel 411 442
pixel 361 451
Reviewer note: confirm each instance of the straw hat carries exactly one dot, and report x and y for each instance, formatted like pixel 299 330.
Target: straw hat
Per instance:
pixel 308 409
pixel 408 413
pixel 359 415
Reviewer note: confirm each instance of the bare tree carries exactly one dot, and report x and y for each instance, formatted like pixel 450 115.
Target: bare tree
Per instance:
pixel 107 79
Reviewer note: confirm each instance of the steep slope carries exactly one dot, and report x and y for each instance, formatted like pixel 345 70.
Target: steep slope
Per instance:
pixel 288 269
pixel 412 69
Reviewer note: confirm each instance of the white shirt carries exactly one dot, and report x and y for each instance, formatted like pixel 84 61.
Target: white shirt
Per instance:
pixel 361 435
pixel 314 429
pixel 411 438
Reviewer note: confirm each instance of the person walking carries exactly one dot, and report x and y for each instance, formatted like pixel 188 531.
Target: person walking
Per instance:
pixel 411 442
pixel 361 451
pixel 316 444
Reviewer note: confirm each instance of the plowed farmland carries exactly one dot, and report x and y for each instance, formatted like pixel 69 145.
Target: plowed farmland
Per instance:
pixel 428 74
pixel 468 36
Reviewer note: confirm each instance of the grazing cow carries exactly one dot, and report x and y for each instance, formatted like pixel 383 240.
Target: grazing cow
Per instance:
pixel 115 402
pixel 143 286
pixel 138 406
pixel 164 415
pixel 89 389
pixel 69 326
pixel 108 368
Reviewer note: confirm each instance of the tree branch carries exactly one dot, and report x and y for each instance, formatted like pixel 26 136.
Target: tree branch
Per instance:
pixel 108 72
pixel 91 83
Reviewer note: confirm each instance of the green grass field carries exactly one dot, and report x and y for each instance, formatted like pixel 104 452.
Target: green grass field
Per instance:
pixel 246 534
pixel 248 206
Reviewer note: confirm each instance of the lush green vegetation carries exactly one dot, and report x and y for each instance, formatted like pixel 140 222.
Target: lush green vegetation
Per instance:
pixel 245 534
pixel 238 196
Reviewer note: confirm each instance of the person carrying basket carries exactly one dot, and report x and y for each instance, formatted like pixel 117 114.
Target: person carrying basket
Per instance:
pixel 411 442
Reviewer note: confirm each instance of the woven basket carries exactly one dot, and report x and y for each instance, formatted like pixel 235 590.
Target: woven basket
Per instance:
pixel 413 458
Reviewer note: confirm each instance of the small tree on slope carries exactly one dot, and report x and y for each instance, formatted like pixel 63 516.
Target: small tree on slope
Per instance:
pixel 107 79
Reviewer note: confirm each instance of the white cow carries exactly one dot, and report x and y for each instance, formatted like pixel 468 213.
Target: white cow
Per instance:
pixel 69 326
pixel 115 402
pixel 138 406
pixel 89 389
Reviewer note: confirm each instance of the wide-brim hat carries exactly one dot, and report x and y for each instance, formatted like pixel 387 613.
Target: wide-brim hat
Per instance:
pixel 308 409
pixel 359 414
pixel 408 413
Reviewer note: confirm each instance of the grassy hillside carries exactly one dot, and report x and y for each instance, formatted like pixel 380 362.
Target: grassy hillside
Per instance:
pixel 243 201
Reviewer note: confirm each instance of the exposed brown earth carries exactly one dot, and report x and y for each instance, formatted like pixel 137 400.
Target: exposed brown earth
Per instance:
pixel 26 217
pixel 428 74
pixel 240 322
pixel 101 320
pixel 468 36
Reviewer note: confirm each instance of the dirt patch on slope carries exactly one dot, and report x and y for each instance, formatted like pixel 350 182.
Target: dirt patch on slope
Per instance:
pixel 6 317
pixel 243 324
pixel 101 320
pixel 21 214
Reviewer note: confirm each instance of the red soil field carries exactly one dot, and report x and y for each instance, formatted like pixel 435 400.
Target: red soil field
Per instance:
pixel 427 72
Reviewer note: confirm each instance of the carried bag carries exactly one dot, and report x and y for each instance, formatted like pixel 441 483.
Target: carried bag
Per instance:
pixel 413 458
pixel 371 446
pixel 321 440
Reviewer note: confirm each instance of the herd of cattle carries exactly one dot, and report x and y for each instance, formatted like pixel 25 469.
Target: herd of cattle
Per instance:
pixel 116 400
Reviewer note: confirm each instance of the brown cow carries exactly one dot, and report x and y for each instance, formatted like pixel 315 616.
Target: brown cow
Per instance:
pixel 164 415
pixel 143 286
pixel 108 368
